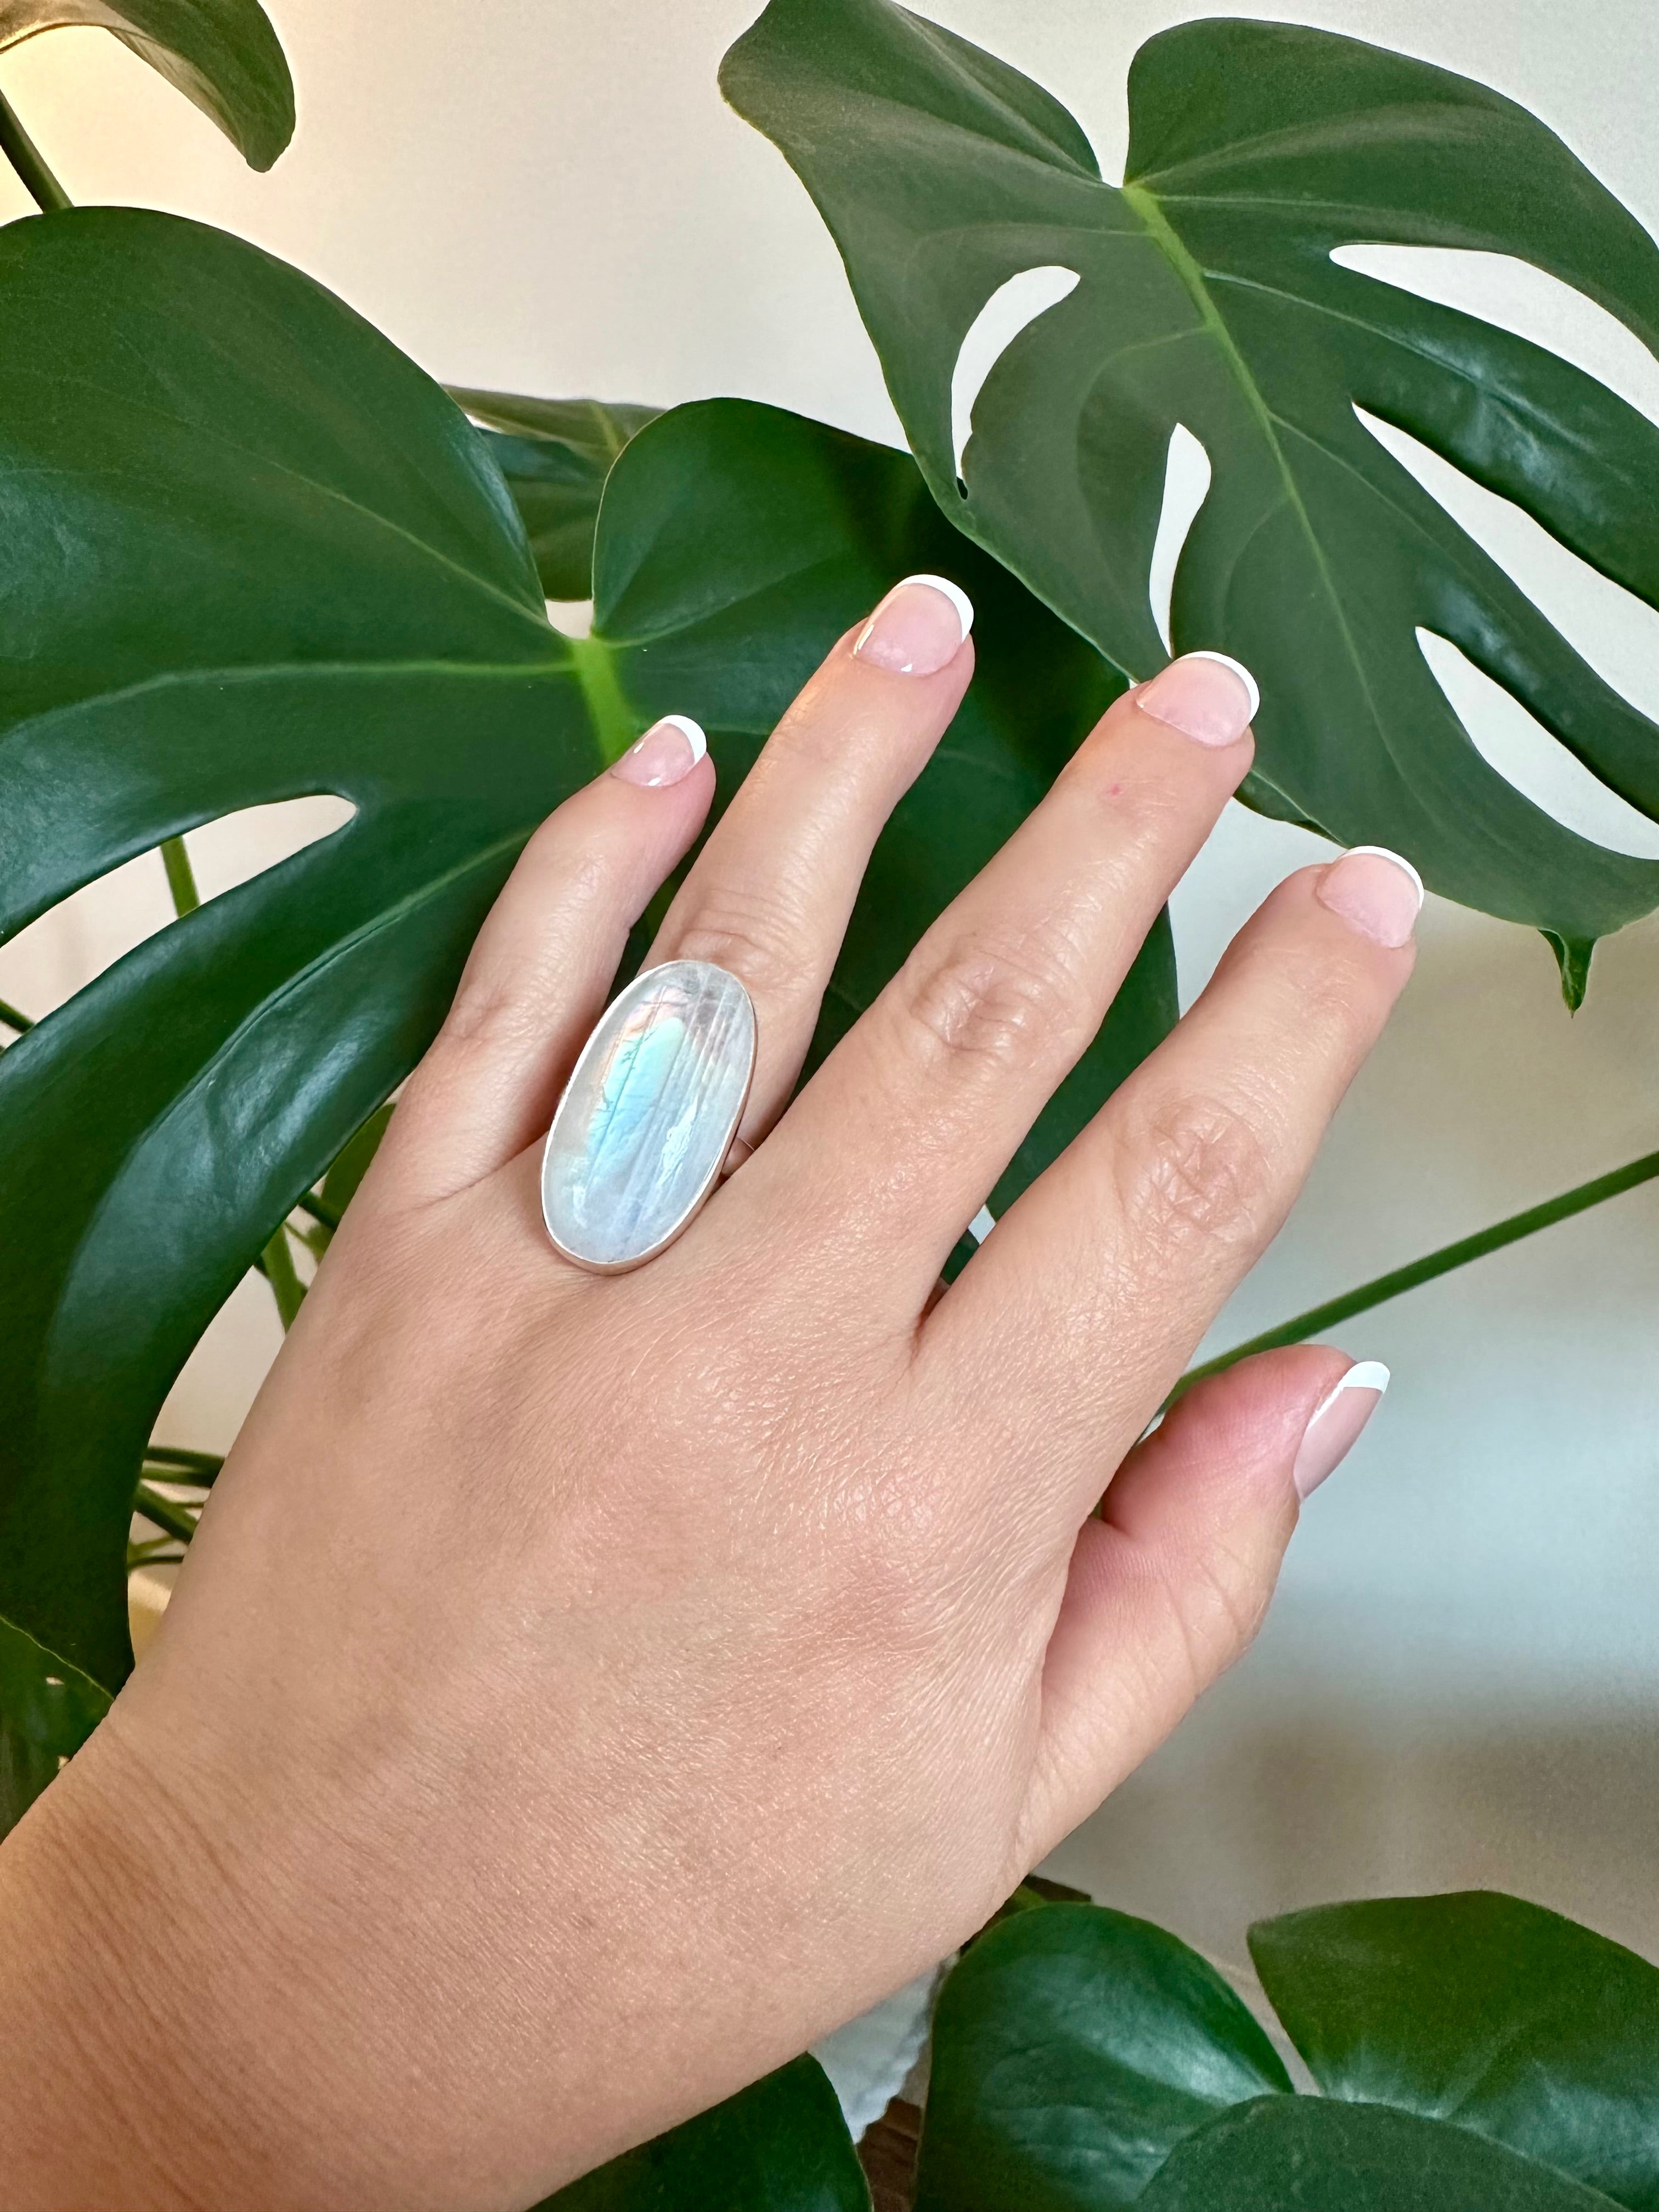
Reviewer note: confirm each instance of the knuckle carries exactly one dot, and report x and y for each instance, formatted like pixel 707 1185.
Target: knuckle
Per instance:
pixel 984 1009
pixel 1198 1174
pixel 757 939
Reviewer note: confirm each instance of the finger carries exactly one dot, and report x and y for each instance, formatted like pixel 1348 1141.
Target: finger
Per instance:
pixel 900 1135
pixel 536 977
pixel 1168 1586
pixel 769 894
pixel 1119 1257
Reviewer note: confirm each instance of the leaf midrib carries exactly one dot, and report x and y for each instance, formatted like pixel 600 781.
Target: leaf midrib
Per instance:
pixel 1192 277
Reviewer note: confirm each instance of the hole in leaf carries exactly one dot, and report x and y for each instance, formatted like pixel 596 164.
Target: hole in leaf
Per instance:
pixel 992 331
pixel 1528 302
pixel 1515 745
pixel 1186 488
pixel 60 953
pixel 1613 630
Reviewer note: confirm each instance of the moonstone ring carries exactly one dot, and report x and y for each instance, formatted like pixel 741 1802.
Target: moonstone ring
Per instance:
pixel 648 1115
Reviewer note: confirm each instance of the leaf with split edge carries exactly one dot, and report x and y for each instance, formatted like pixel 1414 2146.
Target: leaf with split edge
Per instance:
pixel 47 1711
pixel 1314 2155
pixel 223 55
pixel 1208 297
pixel 258 554
pixel 255 554
pixel 813 525
pixel 1486 2010
pixel 781 2145
pixel 556 455
pixel 1073 2047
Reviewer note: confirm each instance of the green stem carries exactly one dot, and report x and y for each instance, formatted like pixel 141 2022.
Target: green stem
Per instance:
pixel 191 1465
pixel 178 1520
pixel 321 1210
pixel 182 877
pixel 20 151
pixel 13 1019
pixel 277 1262
pixel 1337 1311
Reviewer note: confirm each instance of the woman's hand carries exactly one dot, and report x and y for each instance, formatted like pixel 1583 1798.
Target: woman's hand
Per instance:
pixel 584 1691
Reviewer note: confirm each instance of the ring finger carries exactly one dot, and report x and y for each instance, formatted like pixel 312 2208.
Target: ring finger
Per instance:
pixel 770 896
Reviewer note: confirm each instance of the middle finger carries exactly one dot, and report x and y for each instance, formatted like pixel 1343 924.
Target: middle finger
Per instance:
pixel 893 1146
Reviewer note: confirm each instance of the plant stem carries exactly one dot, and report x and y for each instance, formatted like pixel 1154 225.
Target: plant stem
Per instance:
pixel 182 877
pixel 277 1260
pixel 13 1019
pixel 192 1466
pixel 1336 1310
pixel 178 1520
pixel 321 1210
pixel 20 151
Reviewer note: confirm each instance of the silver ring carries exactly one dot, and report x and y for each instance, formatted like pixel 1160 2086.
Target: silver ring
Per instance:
pixel 648 1115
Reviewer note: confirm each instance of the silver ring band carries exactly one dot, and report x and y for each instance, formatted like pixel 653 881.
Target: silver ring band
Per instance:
pixel 648 1115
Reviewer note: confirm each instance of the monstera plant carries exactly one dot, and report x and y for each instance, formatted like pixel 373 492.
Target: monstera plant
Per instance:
pixel 254 553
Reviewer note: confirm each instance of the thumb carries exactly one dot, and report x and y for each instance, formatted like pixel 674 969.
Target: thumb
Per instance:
pixel 1170 1582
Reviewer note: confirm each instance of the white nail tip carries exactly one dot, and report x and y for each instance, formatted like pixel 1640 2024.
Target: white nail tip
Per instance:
pixel 1363 1375
pixel 958 599
pixel 692 732
pixel 1382 852
pixel 1239 669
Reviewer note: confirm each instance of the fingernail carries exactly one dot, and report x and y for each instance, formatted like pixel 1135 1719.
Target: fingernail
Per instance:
pixel 1376 891
pixel 1337 1421
pixel 1208 695
pixel 919 627
pixel 669 749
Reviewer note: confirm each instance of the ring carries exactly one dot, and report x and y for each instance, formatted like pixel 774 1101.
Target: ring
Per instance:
pixel 648 1115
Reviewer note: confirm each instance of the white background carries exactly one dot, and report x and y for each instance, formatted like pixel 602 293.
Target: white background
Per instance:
pixel 1458 1682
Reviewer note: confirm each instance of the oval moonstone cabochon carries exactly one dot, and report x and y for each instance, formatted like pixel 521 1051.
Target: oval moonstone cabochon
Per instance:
pixel 649 1114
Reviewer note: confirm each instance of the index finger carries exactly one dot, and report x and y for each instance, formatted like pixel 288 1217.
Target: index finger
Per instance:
pixel 1085 1301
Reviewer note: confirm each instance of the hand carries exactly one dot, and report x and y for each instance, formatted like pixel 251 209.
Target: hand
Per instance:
pixel 583 1691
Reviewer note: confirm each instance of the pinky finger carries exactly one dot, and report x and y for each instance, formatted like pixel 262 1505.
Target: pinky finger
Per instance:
pixel 1168 1585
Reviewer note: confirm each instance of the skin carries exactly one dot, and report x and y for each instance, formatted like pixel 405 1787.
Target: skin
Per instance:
pixel 583 1691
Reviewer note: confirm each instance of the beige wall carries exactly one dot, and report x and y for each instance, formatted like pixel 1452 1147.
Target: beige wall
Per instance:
pixel 1459 1682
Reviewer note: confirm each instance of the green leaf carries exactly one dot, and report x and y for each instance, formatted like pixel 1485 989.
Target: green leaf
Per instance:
pixel 1208 296
pixel 351 1164
pixel 257 554
pixel 1305 2155
pixel 781 2146
pixel 254 553
pixel 222 54
pixel 47 1711
pixel 1486 2010
pixel 556 455
pixel 735 541
pixel 1073 2048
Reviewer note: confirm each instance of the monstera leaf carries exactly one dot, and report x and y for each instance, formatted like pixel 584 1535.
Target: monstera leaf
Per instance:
pixel 781 2146
pixel 556 455
pixel 47 1711
pixel 222 54
pixel 1206 295
pixel 1073 2048
pixel 735 541
pixel 1486 2010
pixel 255 553
pixel 1306 2154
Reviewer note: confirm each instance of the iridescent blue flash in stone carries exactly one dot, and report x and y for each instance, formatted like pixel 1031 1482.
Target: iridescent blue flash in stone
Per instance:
pixel 648 1115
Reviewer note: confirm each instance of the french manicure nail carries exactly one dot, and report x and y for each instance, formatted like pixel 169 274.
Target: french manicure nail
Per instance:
pixel 669 749
pixel 1375 891
pixel 1206 696
pixel 918 629
pixel 1338 1419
